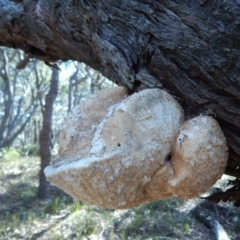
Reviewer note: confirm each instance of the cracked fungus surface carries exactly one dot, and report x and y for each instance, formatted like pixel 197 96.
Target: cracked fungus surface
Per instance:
pixel 110 160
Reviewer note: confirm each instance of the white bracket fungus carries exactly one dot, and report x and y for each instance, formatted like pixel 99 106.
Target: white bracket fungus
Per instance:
pixel 115 150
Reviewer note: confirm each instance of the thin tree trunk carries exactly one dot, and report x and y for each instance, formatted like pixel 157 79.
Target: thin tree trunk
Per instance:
pixel 45 139
pixel 72 80
pixel 35 138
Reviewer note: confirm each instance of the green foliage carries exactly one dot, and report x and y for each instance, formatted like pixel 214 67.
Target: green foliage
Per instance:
pixel 9 154
pixel 76 207
pixel 52 208
pixel 186 227
pixel 30 150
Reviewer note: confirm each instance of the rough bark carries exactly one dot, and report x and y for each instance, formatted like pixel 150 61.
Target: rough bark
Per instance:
pixel 189 48
pixel 45 138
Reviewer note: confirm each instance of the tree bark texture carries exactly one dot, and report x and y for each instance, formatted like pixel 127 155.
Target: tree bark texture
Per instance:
pixel 189 48
pixel 45 138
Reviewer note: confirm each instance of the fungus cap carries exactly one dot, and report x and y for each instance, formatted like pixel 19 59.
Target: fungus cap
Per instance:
pixel 199 157
pixel 82 123
pixel 121 149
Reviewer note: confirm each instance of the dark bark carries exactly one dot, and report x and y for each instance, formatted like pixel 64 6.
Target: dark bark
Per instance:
pixel 35 132
pixel 208 214
pixel 45 138
pixel 189 48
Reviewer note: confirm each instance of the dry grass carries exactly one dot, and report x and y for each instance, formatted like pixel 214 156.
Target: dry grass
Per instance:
pixel 23 216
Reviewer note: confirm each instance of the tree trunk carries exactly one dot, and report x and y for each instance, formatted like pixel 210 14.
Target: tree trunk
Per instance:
pixel 45 139
pixel 189 48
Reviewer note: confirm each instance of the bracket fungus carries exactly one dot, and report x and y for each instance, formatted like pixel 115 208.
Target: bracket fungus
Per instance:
pixel 119 151
pixel 199 157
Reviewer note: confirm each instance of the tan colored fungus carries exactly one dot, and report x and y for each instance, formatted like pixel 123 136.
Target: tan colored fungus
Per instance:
pixel 82 123
pixel 120 151
pixel 199 157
